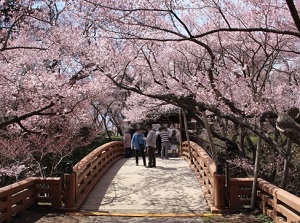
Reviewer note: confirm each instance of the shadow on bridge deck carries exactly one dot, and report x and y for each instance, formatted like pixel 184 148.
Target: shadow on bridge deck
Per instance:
pixel 171 188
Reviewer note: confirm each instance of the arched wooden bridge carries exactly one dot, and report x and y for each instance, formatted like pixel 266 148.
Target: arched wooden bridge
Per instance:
pixel 106 184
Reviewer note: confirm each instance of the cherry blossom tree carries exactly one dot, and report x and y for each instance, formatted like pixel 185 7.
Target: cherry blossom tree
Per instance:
pixel 222 59
pixel 237 62
pixel 84 59
pixel 49 83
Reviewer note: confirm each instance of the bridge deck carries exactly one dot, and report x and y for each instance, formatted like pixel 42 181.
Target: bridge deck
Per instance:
pixel 170 188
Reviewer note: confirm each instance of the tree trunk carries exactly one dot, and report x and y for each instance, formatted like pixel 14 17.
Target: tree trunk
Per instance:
pixel 106 128
pixel 180 132
pixel 294 13
pixel 227 173
pixel 187 134
pixel 210 138
pixel 252 147
pixel 242 146
pixel 256 168
pixel 114 121
pixel 286 163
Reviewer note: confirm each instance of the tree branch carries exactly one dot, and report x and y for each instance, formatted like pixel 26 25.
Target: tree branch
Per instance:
pixel 23 117
pixel 294 13
pixel 26 129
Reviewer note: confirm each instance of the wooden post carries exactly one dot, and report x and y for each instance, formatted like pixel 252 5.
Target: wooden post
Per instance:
pixel 219 191
pixel 9 204
pixel 56 194
pixel 286 163
pixel 210 138
pixel 180 133
pixel 70 190
pixel 256 168
pixel 187 135
pixel 227 182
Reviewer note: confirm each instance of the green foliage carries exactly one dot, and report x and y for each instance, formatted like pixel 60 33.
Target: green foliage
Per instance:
pixel 82 151
pixel 264 218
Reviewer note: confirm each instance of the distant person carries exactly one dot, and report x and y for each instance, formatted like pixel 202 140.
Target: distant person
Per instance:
pixel 174 142
pixel 138 144
pixel 127 143
pixel 158 142
pixel 165 143
pixel 151 145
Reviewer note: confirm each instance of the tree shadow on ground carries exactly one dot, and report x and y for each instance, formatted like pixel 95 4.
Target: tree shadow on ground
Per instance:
pixel 36 213
pixel 105 182
pixel 165 168
pixel 238 218
pixel 161 190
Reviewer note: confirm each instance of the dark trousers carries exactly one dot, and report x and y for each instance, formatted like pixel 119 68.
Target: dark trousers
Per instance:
pixel 151 156
pixel 128 152
pixel 159 152
pixel 137 152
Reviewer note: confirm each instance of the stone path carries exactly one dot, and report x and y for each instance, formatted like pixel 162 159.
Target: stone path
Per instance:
pixel 170 188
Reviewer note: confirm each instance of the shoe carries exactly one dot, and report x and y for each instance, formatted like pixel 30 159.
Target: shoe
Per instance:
pixel 136 164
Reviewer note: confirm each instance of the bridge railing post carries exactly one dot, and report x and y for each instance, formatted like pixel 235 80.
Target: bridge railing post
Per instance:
pixel 56 193
pixel 70 187
pixel 219 189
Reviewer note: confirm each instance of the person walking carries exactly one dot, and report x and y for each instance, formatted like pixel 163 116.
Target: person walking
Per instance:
pixel 138 144
pixel 174 142
pixel 151 145
pixel 158 142
pixel 165 143
pixel 127 143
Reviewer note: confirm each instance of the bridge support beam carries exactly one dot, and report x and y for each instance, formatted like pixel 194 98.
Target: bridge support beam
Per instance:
pixel 219 191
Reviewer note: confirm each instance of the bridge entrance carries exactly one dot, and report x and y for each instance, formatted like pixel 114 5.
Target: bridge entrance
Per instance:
pixel 105 184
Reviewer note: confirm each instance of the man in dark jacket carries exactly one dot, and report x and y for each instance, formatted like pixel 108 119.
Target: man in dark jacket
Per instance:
pixel 158 143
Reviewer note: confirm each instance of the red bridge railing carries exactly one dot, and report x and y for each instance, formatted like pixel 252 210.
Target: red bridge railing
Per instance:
pixel 88 171
pixel 278 204
pixel 204 168
pixel 19 196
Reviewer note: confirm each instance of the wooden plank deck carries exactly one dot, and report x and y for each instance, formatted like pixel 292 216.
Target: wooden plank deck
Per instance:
pixel 170 188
